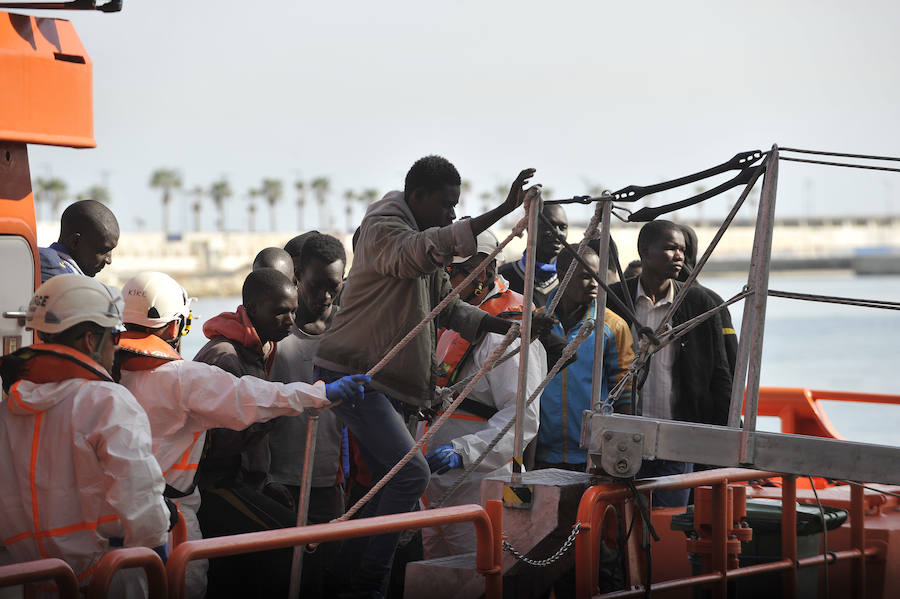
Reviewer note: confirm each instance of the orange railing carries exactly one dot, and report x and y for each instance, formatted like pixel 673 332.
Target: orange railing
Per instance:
pixel 801 412
pixel 487 529
pixel 43 569
pixel 597 500
pixel 130 557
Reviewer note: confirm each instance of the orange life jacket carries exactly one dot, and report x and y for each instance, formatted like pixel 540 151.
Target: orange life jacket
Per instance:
pixel 49 363
pixel 143 351
pixel 453 350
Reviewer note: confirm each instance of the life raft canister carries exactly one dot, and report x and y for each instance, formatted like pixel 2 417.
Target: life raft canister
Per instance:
pixel 453 350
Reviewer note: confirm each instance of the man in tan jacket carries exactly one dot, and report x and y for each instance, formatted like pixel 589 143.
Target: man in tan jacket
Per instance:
pixel 405 241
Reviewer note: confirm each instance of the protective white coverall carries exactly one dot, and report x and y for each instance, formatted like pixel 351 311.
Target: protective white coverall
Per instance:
pixel 78 469
pixel 183 399
pixel 469 436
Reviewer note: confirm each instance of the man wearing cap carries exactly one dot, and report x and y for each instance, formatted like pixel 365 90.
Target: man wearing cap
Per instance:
pixel 77 472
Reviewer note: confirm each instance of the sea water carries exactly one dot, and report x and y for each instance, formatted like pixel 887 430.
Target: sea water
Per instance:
pixel 813 345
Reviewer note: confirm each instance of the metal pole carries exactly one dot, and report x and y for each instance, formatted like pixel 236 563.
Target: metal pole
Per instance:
pixel 312 429
pixel 764 225
pixel 599 316
pixel 534 210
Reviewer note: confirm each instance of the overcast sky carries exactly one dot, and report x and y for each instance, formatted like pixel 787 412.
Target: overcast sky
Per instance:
pixel 586 92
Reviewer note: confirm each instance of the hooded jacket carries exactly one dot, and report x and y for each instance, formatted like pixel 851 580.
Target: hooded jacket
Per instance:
pixel 235 456
pixel 77 466
pixel 397 278
pixel 701 373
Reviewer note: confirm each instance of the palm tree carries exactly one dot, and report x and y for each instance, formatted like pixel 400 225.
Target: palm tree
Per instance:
pixel 98 193
pixel 320 187
pixel 251 209
pixel 300 186
pixel 220 191
pixel 197 205
pixel 272 190
pixel 167 180
pixel 349 198
pixel 51 191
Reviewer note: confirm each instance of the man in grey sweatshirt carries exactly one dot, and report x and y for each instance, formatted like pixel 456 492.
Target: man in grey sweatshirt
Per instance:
pixel 397 277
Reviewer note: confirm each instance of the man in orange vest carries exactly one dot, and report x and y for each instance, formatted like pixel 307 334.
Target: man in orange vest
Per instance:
pixel 487 408
pixel 77 472
pixel 183 399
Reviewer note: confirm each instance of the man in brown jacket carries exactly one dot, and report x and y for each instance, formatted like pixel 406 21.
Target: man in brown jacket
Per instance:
pixel 405 241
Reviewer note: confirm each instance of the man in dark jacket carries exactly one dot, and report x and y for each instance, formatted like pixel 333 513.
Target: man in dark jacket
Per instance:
pixel 690 379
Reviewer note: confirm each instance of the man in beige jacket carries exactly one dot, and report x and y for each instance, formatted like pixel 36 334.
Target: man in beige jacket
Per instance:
pixel 405 241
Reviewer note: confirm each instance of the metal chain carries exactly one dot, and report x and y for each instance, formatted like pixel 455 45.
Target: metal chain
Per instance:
pixel 541 563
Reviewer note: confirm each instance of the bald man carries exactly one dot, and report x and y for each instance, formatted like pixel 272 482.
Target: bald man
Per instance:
pixel 88 233
pixel 277 258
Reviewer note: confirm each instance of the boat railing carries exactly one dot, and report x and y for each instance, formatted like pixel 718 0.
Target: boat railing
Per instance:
pixel 129 557
pixel 599 501
pixel 801 411
pixel 44 569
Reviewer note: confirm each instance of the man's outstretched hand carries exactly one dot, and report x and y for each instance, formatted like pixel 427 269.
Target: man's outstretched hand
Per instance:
pixel 443 458
pixel 349 388
pixel 517 191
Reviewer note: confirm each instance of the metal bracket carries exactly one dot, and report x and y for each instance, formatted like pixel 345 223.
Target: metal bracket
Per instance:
pixel 621 453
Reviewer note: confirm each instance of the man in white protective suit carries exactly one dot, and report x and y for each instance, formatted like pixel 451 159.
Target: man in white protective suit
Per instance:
pixel 77 472
pixel 487 408
pixel 183 399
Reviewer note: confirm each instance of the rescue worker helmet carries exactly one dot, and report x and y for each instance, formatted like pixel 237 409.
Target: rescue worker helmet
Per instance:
pixel 70 299
pixel 485 243
pixel 154 299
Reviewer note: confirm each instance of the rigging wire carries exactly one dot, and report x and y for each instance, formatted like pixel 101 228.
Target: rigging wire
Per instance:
pixel 835 299
pixel 844 164
pixel 841 154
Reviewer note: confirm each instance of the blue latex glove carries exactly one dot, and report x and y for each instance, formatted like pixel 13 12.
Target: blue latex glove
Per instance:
pixel 349 388
pixel 442 459
pixel 163 552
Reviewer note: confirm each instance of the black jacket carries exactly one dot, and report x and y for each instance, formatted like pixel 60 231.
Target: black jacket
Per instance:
pixel 701 377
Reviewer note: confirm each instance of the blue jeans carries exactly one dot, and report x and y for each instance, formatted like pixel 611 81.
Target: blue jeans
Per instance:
pixel 654 468
pixel 383 439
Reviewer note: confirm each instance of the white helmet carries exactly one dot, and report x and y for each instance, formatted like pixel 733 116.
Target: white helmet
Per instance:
pixel 485 243
pixel 70 299
pixel 154 299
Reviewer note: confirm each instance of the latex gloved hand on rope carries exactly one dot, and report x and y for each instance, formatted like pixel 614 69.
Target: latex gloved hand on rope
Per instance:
pixel 443 459
pixel 349 388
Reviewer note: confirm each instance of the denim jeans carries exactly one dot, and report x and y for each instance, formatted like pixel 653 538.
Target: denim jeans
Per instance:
pixel 383 439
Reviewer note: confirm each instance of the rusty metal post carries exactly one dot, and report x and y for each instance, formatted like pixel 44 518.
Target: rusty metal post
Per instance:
pixel 753 323
pixel 858 540
pixel 129 557
pixel 721 523
pixel 309 450
pixel 493 582
pixel 789 535
pixel 599 316
pixel 534 211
